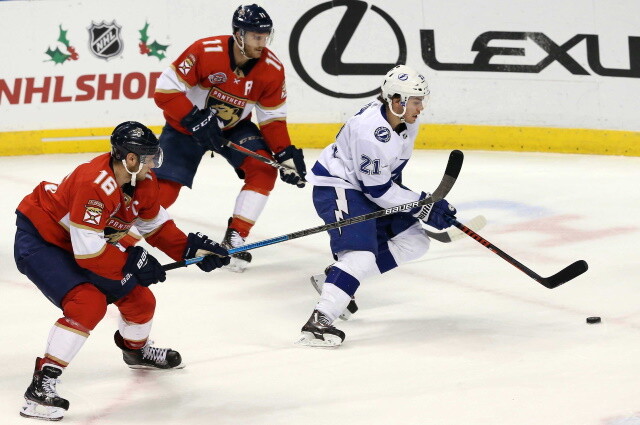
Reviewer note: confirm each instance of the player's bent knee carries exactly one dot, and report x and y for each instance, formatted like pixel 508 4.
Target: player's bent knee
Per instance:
pixel 85 304
pixel 138 306
pixel 409 248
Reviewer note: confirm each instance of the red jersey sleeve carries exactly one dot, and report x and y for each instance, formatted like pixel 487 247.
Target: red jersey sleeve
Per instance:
pixel 271 107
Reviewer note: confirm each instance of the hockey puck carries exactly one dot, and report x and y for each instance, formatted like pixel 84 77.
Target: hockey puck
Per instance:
pixel 594 319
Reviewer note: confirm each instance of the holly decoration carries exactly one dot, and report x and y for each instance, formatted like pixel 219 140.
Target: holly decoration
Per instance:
pixel 151 49
pixel 58 56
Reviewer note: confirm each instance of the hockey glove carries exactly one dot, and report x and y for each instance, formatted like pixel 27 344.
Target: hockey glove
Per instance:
pixel 292 157
pixel 215 256
pixel 143 266
pixel 438 215
pixel 204 128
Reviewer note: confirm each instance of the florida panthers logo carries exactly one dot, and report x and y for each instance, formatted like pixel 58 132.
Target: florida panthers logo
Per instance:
pixel 229 107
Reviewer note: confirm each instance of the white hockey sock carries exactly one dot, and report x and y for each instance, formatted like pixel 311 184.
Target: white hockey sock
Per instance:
pixel 65 341
pixel 134 333
pixel 249 205
pixel 333 301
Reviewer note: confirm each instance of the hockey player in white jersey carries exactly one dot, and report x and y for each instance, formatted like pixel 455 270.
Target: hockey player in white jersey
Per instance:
pixel 359 173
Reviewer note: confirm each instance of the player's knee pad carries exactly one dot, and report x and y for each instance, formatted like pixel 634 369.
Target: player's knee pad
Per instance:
pixel 409 245
pixel 138 306
pixel 259 176
pixel 85 304
pixel 169 191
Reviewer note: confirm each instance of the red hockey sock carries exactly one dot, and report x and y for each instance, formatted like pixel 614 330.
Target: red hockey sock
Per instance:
pixel 242 227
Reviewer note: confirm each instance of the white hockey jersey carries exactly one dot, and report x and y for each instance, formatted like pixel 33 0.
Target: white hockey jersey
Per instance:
pixel 369 156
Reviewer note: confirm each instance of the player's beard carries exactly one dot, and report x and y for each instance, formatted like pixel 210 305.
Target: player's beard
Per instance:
pixel 253 53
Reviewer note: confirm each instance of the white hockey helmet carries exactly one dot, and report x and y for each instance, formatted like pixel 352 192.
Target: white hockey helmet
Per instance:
pixel 404 81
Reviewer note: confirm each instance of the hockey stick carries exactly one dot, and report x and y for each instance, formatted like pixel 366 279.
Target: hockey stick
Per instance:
pixel 477 223
pixel 261 158
pixel 448 180
pixel 570 272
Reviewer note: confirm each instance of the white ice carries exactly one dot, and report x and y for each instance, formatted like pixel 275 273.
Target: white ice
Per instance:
pixel 458 337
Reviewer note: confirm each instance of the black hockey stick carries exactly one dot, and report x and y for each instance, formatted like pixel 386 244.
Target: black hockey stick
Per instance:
pixel 448 180
pixel 570 272
pixel 252 154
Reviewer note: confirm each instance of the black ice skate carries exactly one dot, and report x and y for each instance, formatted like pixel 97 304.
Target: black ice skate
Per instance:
pixel 317 280
pixel 149 357
pixel 318 332
pixel 42 400
pixel 239 261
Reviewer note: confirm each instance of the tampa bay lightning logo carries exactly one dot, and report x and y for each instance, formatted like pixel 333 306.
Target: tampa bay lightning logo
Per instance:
pixel 403 77
pixel 382 134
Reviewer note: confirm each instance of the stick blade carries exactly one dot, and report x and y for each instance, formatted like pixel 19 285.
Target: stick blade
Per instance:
pixel 476 224
pixel 453 234
pixel 563 276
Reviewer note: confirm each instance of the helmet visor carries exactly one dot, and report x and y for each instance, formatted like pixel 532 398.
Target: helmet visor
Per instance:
pixel 256 38
pixel 154 161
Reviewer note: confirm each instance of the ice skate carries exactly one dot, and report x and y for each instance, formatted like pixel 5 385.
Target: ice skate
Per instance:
pixel 149 357
pixel 318 332
pixel 240 260
pixel 317 280
pixel 42 399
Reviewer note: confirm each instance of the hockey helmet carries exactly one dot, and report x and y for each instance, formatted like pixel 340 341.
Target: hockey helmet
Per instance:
pixel 405 82
pixel 131 136
pixel 251 18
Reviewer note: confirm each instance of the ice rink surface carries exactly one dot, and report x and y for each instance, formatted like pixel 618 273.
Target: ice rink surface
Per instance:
pixel 458 337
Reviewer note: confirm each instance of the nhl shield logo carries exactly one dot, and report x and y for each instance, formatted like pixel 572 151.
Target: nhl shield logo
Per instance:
pixel 105 40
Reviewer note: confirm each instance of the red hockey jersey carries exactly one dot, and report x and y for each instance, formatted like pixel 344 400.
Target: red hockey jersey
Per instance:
pixel 87 213
pixel 203 76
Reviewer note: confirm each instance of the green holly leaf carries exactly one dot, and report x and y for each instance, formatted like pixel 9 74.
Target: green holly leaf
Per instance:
pixel 143 33
pixel 63 37
pixel 57 56
pixel 157 50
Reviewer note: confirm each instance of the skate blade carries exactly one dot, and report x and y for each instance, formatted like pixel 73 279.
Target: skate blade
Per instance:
pixel 317 281
pixel 307 339
pixel 31 409
pixel 236 265
pixel 147 367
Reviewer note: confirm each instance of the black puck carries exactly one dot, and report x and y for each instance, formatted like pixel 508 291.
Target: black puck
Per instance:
pixel 594 319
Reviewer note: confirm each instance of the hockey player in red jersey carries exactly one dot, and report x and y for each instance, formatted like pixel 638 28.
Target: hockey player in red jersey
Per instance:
pixel 208 96
pixel 67 244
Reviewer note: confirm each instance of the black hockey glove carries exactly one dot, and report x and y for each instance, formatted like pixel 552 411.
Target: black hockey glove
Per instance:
pixel 203 125
pixel 292 157
pixel 143 266
pixel 215 256
pixel 438 215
